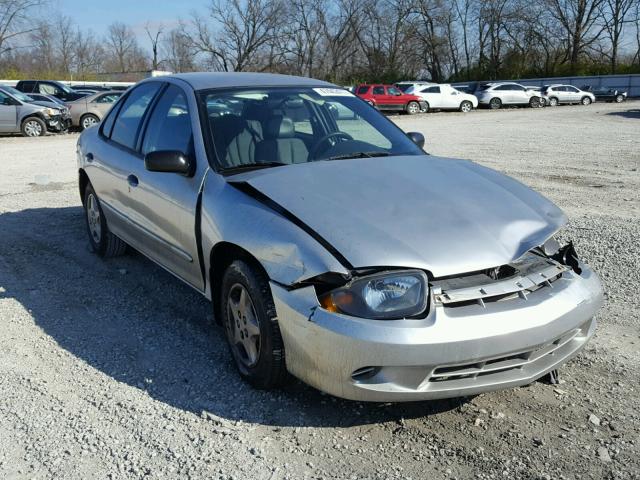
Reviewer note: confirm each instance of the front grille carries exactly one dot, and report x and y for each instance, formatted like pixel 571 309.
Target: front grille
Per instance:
pixel 499 365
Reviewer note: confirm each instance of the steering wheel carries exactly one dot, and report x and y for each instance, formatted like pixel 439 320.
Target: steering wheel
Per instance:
pixel 316 148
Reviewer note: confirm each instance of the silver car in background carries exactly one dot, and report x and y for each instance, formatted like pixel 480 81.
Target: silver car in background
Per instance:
pixel 20 113
pixel 331 245
pixel 556 94
pixel 89 110
pixel 497 95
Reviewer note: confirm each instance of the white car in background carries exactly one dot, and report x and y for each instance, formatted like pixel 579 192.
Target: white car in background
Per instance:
pixel 444 97
pixel 495 95
pixel 407 85
pixel 557 94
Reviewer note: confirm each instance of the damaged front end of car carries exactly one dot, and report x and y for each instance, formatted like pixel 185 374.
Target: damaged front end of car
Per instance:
pixel 380 334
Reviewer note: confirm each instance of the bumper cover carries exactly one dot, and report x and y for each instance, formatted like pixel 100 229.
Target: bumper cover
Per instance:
pixel 455 351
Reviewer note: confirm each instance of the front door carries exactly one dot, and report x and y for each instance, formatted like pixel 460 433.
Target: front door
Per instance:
pixel 8 115
pixel 163 205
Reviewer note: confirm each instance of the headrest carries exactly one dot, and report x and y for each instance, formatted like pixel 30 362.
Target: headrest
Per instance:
pixel 279 127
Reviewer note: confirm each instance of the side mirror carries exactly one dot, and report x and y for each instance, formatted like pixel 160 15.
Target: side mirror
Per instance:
pixel 417 138
pixel 170 161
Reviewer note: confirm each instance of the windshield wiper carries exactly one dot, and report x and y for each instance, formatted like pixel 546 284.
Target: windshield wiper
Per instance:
pixel 346 156
pixel 252 166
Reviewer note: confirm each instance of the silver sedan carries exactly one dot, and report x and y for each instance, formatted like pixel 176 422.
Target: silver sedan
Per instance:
pixel 332 247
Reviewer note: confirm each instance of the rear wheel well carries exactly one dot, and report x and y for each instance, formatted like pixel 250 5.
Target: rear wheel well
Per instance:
pixel 222 255
pixel 83 181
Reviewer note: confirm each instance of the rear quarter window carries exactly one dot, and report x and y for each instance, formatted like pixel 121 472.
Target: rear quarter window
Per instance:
pixel 363 90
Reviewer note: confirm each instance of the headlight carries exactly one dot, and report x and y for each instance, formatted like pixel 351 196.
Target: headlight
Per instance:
pixel 382 296
pixel 50 111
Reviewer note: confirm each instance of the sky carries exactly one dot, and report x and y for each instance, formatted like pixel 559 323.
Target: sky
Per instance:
pixel 97 15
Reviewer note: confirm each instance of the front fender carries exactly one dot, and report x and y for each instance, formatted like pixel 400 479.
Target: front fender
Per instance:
pixel 287 253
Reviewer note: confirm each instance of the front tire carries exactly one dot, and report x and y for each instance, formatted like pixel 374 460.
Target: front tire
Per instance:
pixel 495 104
pixel 619 98
pixel 413 108
pixel 466 106
pixel 102 241
pixel 33 127
pixel 585 101
pixel 251 326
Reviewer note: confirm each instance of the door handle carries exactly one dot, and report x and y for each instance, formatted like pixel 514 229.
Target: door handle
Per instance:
pixel 132 180
pixel 89 157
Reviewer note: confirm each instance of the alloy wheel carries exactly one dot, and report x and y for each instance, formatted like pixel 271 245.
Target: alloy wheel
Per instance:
pixel 242 325
pixel 465 107
pixel 93 218
pixel 33 129
pixel 413 108
pixel 89 121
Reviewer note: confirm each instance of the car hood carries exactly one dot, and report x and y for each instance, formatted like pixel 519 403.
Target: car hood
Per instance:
pixel 442 215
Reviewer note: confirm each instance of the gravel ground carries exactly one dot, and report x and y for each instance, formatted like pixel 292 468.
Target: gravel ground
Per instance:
pixel 113 369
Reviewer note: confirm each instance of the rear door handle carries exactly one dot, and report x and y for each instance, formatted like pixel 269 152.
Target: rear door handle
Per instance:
pixel 89 157
pixel 132 180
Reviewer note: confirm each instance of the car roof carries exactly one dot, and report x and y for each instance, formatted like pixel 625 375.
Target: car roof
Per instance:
pixel 207 80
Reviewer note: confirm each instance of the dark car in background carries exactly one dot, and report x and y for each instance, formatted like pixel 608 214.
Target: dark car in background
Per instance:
pixel 48 87
pixel 605 94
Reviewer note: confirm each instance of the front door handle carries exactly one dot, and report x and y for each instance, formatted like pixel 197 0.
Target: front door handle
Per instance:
pixel 132 180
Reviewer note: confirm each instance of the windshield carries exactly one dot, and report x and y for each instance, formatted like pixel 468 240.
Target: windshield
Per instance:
pixel 18 94
pixel 257 128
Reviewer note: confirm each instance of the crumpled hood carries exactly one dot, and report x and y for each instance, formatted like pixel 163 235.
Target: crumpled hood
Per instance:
pixel 442 215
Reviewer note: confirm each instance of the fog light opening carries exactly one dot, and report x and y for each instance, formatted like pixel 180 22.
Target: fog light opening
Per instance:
pixel 364 373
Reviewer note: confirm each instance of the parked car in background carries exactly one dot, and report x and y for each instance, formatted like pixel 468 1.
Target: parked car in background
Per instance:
pixel 497 95
pixel 95 88
pixel 41 97
pixel 606 94
pixel 87 111
pixel 20 114
pixel 390 98
pixel 556 94
pixel 444 97
pixel 49 87
pixel 336 250
pixel 406 85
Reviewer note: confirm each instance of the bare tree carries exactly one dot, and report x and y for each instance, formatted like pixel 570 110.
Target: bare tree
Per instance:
pixel 615 15
pixel 579 20
pixel 64 43
pixel 122 43
pixel 154 37
pixel 15 20
pixel 177 51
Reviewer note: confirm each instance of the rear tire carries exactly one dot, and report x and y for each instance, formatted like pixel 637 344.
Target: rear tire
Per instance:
pixel 33 127
pixel 495 104
pixel 536 102
pixel 553 102
pixel 466 106
pixel 251 326
pixel 102 241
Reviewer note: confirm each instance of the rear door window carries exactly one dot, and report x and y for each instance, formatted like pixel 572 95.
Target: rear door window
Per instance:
pixel 363 90
pixel 379 90
pixel 127 124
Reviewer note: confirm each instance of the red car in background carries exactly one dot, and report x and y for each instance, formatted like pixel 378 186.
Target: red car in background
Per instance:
pixel 389 97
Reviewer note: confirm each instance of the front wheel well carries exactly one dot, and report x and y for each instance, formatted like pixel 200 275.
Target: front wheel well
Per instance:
pixel 221 256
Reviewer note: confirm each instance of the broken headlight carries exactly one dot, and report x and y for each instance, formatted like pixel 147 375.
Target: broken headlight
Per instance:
pixel 381 296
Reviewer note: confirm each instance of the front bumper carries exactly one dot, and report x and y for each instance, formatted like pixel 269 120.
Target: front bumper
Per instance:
pixel 58 123
pixel 455 351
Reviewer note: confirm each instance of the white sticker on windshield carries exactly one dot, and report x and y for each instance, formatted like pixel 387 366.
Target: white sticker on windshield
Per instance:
pixel 333 92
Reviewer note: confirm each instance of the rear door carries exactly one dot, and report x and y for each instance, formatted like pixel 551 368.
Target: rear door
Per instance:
pixel 163 205
pixel 109 165
pixel 8 113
